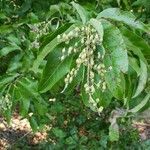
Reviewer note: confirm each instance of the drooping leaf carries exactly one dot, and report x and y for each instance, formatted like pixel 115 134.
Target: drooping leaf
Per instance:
pixel 123 16
pixel 141 105
pixel 81 11
pixel 134 64
pixel 6 50
pixel 57 73
pixel 142 79
pixel 136 44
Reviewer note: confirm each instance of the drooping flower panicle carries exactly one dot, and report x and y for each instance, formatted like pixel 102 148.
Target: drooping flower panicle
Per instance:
pixel 87 39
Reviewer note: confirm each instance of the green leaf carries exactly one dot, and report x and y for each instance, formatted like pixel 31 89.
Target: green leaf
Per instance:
pixel 28 89
pixel 85 97
pixel 58 133
pixel 142 79
pixel 25 107
pixel 115 46
pixel 33 124
pixel 6 50
pixel 47 49
pixel 134 64
pixel 5 29
pixel 114 79
pixel 6 79
pixel 136 44
pixel 81 11
pixel 116 56
pixel 57 73
pixel 123 16
pixel 98 26
pixel 114 132
pixel 104 97
pixel 141 105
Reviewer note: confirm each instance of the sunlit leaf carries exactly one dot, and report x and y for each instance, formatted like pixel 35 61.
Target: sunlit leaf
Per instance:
pixel 123 16
pixel 142 79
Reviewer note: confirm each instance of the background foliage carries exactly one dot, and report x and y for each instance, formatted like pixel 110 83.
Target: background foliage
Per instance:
pixel 28 29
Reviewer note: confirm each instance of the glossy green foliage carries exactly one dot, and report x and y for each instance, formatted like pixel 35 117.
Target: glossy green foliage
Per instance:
pixel 31 71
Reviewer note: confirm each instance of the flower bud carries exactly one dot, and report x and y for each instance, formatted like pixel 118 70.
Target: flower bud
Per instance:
pixel 82 28
pixel 63 50
pixel 74 50
pixel 66 80
pixel 58 37
pixel 87 89
pixel 82 40
pixel 100 109
pixel 70 80
pixel 70 34
pixel 62 58
pixel 94 104
pixel 91 74
pixel 83 56
pixel 77 29
pixel 110 67
pixel 70 50
pixel 68 76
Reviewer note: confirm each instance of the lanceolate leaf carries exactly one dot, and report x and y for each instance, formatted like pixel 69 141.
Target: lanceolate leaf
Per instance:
pixel 81 11
pixel 141 105
pixel 56 74
pixel 131 47
pixel 134 64
pixel 137 43
pixel 98 26
pixel 6 50
pixel 123 16
pixel 142 79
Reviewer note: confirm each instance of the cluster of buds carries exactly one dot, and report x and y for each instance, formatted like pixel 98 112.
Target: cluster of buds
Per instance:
pixel 40 29
pixel 100 68
pixel 5 102
pixel 85 46
pixel 70 76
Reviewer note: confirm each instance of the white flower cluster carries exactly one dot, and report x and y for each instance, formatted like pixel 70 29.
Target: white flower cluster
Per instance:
pixel 86 41
pixel 40 29
pixel 5 102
